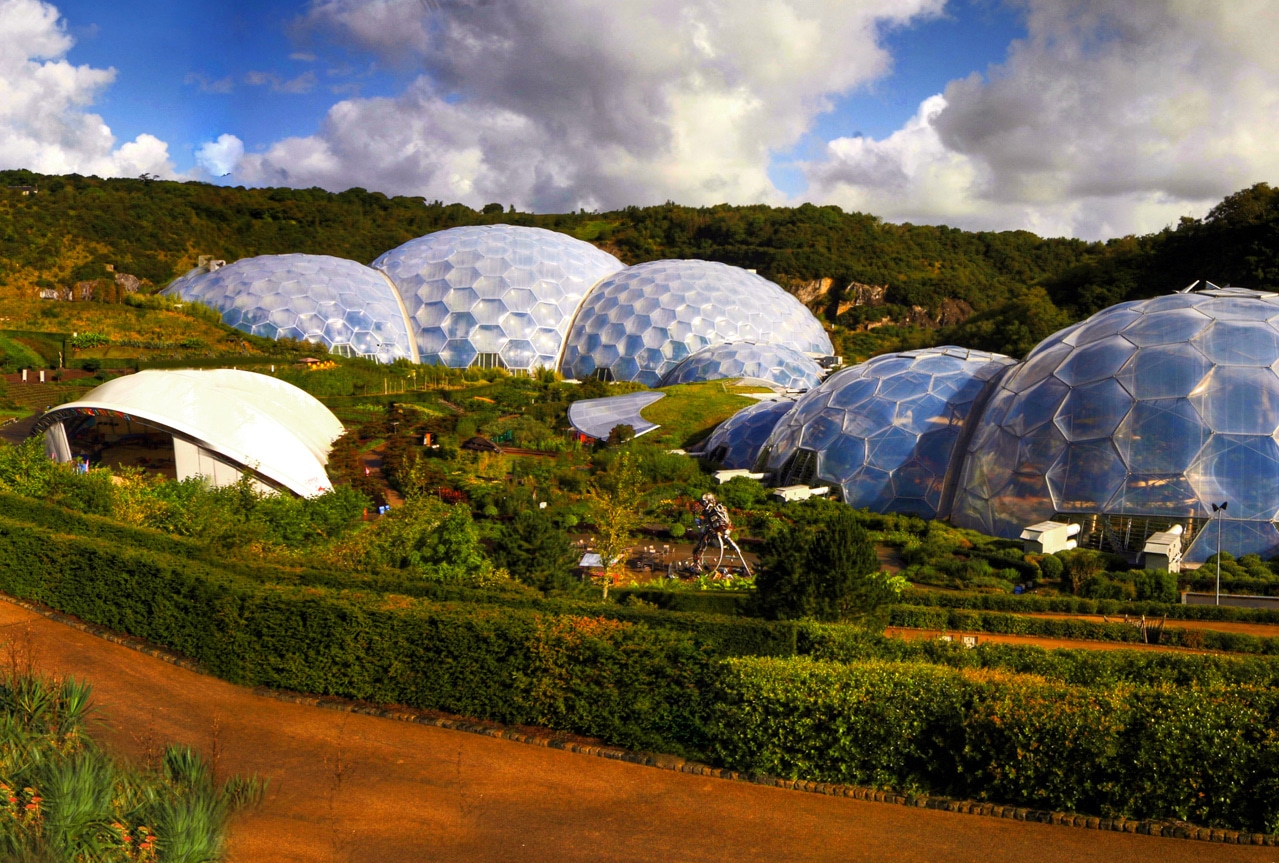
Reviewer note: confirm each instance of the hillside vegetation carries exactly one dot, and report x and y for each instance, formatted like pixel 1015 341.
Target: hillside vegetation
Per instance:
pixel 887 286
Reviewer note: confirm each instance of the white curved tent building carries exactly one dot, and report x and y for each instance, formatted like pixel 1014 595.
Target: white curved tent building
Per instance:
pixel 220 424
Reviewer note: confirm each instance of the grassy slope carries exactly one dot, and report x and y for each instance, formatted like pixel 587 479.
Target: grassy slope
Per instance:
pixel 117 322
pixel 690 411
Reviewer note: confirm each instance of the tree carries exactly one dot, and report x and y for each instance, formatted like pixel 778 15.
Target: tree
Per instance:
pixel 1079 565
pixel 617 509
pixel 1013 328
pixel 535 551
pixel 620 434
pixel 822 566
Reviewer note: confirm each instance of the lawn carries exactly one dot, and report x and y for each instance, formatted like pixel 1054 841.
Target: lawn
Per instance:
pixel 690 411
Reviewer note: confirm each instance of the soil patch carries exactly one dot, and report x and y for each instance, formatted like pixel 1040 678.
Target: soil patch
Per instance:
pixel 1035 640
pixel 1265 630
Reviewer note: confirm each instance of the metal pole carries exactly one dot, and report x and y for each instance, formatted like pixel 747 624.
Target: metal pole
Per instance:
pixel 1218 558
pixel 1219 512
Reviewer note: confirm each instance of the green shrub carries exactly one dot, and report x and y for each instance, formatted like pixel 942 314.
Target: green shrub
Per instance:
pixel 626 683
pixel 824 567
pixel 1205 755
pixel 742 493
pixel 535 551
pixel 63 798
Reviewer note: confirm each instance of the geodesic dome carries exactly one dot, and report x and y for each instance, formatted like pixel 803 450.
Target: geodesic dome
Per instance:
pixel 886 431
pixel 737 441
pixel 642 322
pixel 1144 414
pixel 494 294
pixel 776 364
pixel 348 307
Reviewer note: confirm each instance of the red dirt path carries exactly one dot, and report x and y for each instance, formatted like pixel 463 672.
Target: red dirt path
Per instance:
pixel 912 634
pixel 1265 630
pixel 359 788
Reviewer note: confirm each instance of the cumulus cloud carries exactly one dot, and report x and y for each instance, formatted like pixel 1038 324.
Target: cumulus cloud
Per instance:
pixel 1111 117
pixel 585 102
pixel 44 122
pixel 219 158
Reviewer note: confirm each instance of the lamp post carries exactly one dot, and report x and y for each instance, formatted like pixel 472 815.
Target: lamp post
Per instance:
pixel 1219 512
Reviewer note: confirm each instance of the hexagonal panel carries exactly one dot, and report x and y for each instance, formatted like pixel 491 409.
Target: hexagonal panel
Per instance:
pixel 736 442
pixel 1190 417
pixel 881 431
pixel 506 269
pixel 778 364
pixel 318 298
pixel 700 304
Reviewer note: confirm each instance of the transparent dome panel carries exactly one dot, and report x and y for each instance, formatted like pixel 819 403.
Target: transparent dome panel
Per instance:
pixel 883 430
pixel 333 301
pixel 468 280
pixel 707 304
pixel 1188 419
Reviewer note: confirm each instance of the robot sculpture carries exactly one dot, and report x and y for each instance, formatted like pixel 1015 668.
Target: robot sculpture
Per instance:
pixel 715 524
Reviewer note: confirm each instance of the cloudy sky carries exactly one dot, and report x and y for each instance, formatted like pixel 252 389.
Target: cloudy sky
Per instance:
pixel 1090 118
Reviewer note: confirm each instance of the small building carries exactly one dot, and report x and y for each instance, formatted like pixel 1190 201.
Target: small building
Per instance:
pixel 481 444
pixel 791 493
pixel 220 424
pixel 1049 537
pixel 1163 550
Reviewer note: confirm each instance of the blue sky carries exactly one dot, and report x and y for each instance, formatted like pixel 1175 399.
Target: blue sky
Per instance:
pixel 1091 118
pixel 159 48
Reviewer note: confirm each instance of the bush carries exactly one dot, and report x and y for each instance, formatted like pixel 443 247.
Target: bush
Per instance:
pixel 824 567
pixel 629 684
pixel 742 493
pixel 1052 567
pixel 58 791
pixel 1205 755
pixel 536 552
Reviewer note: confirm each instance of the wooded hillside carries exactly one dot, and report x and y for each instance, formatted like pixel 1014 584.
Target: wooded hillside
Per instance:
pixel 74 226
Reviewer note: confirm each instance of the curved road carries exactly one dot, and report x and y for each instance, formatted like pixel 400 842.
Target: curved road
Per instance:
pixel 347 787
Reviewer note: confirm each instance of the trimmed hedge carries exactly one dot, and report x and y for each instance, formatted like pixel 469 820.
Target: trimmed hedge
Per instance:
pixel 1079 667
pixel 1029 604
pixel 726 635
pixel 1205 755
pixel 630 685
pixel 725 602
pixel 915 617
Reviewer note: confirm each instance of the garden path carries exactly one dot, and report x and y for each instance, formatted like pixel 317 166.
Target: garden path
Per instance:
pixel 348 787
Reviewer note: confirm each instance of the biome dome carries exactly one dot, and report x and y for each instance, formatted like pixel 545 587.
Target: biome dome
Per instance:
pixel 346 306
pixel 737 441
pixel 776 364
pixel 494 294
pixel 1155 408
pixel 885 432
pixel 640 323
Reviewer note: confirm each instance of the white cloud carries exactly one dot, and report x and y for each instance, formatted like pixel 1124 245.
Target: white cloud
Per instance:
pixel 1111 117
pixel 206 84
pixel 44 124
pixel 219 157
pixel 586 102
pixel 303 83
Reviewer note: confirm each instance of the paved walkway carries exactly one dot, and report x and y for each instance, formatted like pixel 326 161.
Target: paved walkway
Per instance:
pixel 359 788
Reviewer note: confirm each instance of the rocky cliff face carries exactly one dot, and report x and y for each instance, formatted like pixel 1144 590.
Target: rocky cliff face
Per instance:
pixel 818 295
